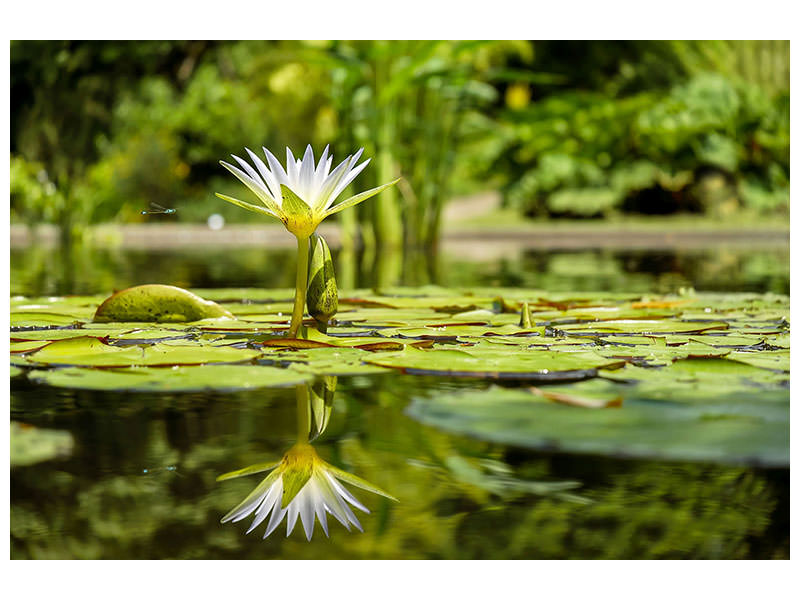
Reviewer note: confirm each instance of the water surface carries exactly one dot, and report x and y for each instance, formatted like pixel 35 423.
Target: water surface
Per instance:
pixel 459 497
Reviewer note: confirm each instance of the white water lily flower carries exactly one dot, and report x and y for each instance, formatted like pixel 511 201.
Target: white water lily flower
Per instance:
pixel 303 194
pixel 304 485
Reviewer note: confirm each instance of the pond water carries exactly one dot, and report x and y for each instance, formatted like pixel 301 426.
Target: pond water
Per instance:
pixel 140 480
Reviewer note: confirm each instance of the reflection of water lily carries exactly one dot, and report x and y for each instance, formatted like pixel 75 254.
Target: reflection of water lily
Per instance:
pixel 304 485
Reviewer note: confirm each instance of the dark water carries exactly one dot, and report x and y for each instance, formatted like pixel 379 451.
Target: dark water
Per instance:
pixel 99 503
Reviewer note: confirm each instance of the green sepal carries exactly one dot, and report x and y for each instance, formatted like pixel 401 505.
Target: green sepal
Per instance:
pixel 256 468
pixel 353 200
pixel 358 482
pixel 296 214
pixel 293 481
pixel 247 205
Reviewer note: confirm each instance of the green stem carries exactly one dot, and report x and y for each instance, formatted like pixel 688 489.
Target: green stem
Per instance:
pixel 301 286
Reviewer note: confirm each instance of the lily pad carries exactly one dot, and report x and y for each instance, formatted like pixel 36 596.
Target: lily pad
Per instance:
pixel 90 351
pixel 157 303
pixel 217 378
pixel 491 363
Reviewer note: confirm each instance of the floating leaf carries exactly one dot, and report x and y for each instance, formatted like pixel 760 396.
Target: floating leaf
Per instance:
pixel 217 378
pixel 158 303
pixel 90 351
pixel 490 363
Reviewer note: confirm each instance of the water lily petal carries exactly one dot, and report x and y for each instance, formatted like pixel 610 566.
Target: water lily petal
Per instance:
pixel 307 175
pixel 254 187
pixel 319 505
pixel 344 493
pixel 276 167
pixel 332 502
pixel 269 504
pixel 332 180
pixel 320 173
pixel 292 170
pixel 347 510
pixel 349 177
pixel 251 172
pixel 306 508
pixel 277 515
pixel 291 518
pixel 246 506
pixel 272 183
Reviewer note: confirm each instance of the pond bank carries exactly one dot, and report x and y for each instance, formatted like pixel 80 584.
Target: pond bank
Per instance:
pixel 460 238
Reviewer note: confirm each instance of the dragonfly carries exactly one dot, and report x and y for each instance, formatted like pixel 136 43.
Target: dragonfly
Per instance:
pixel 170 468
pixel 157 209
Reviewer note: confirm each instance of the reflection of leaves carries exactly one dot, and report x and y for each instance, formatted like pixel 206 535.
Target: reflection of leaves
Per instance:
pixel 730 430
pixel 641 509
pixel 497 478
pixel 30 445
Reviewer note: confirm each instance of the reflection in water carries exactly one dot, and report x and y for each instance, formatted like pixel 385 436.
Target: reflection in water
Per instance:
pixel 83 269
pixel 302 484
pixel 97 504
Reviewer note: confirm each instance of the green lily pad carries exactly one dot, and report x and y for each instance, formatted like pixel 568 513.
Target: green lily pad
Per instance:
pixel 778 360
pixel 217 378
pixel 642 327
pixel 90 351
pixel 328 361
pixel 40 319
pixel 157 303
pixel 489 362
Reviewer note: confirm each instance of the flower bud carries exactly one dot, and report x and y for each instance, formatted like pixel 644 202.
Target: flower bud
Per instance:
pixel 322 298
pixel 525 320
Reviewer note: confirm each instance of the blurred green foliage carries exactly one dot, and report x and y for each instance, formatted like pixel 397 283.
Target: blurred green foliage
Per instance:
pixel 650 127
pixel 100 129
